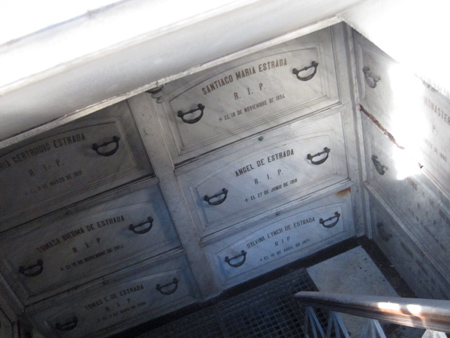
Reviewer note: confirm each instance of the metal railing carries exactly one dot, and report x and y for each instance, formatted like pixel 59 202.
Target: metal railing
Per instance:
pixel 429 314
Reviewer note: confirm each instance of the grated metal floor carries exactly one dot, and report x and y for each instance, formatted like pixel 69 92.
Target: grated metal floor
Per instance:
pixel 267 311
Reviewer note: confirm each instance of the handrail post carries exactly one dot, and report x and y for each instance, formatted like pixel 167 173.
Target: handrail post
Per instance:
pixel 311 319
pixel 373 328
pixel 335 321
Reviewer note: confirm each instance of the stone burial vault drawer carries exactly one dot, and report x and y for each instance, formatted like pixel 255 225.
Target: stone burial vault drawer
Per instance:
pixel 287 238
pixel 127 299
pixel 388 166
pixel 218 106
pixel 433 138
pixel 414 115
pixel 375 71
pixel 56 253
pixel 406 253
pixel 425 214
pixel 67 164
pixel 264 172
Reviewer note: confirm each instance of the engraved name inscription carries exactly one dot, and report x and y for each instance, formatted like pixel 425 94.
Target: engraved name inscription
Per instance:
pixel 247 89
pixel 279 231
pixel 243 73
pixel 113 296
pixel 267 175
pixel 439 111
pixel 275 241
pixel 79 231
pixel 23 155
pixel 44 172
pixel 116 304
pixel 428 212
pixel 438 120
pixel 261 162
pixel 83 250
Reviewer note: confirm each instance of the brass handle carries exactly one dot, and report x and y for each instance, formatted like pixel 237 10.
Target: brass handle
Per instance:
pixel 143 230
pixel 327 225
pixel 381 169
pixel 296 71
pixel 32 270
pixel 371 79
pixel 195 120
pixel 67 326
pixel 170 291
pixel 115 140
pixel 238 264
pixel 208 199
pixel 325 151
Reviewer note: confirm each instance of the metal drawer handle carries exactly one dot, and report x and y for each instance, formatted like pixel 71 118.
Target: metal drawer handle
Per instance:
pixel 170 291
pixel 115 140
pixel 31 270
pixel 325 151
pixel 143 230
pixel 309 77
pixel 192 121
pixel 381 169
pixel 67 326
pixel 330 225
pixel 371 79
pixel 236 265
pixel 219 201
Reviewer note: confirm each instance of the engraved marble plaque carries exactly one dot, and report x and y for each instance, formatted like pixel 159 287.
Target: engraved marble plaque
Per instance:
pixel 414 115
pixel 390 93
pixel 251 94
pixel 376 88
pixel 66 164
pixel 386 164
pixel 282 240
pixel 53 254
pixel 434 134
pixel 424 214
pixel 293 161
pixel 118 303
pixel 408 259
